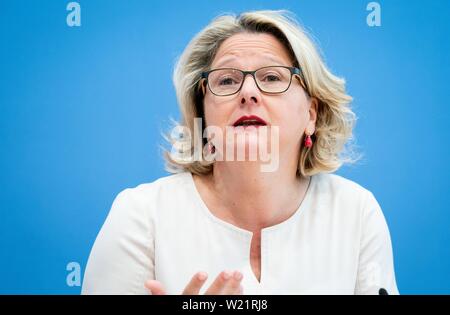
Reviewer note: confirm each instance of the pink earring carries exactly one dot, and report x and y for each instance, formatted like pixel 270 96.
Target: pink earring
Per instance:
pixel 308 141
pixel 211 148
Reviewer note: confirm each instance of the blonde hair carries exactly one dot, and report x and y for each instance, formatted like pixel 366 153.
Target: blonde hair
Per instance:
pixel 335 119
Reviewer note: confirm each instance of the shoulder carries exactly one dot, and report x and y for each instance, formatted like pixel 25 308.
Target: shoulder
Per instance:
pixel 338 185
pixel 147 195
pixel 340 193
pixel 133 211
pixel 145 191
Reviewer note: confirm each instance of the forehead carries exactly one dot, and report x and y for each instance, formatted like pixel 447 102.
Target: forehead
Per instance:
pixel 251 49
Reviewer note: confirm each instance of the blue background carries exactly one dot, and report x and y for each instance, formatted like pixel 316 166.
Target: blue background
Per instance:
pixel 82 110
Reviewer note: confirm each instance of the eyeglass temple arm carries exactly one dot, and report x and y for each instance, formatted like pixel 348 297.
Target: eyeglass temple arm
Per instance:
pixel 299 74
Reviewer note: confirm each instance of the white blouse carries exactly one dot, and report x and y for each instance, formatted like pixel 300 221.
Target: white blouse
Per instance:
pixel 337 242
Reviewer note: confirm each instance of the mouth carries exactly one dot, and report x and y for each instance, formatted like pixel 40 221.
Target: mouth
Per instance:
pixel 247 121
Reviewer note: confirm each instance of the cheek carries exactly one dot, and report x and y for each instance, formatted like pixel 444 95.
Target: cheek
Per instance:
pixel 215 113
pixel 210 114
pixel 293 115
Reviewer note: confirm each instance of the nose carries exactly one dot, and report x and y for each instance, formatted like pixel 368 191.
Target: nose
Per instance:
pixel 250 93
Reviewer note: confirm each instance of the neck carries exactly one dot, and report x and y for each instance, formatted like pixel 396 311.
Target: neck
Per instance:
pixel 254 199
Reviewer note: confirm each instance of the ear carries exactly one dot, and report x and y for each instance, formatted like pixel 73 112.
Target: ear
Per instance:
pixel 313 110
pixel 203 86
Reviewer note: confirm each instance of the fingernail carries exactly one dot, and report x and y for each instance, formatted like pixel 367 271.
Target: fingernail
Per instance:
pixel 226 275
pixel 237 275
pixel 202 276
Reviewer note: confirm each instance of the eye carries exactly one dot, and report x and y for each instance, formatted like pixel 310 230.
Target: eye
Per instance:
pixel 227 81
pixel 272 77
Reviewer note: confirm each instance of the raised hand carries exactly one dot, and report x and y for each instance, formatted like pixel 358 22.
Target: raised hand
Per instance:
pixel 226 283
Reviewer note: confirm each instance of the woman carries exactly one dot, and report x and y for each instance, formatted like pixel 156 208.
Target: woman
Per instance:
pixel 225 225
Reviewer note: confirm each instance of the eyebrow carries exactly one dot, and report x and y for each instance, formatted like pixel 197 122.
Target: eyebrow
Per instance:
pixel 233 58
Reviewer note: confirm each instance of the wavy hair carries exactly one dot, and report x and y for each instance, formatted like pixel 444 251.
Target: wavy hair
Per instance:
pixel 335 119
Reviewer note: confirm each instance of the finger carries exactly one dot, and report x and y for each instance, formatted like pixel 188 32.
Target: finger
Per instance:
pixel 155 287
pixel 234 285
pixel 195 284
pixel 219 283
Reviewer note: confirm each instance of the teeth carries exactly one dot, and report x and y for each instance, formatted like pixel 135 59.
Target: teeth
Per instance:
pixel 250 122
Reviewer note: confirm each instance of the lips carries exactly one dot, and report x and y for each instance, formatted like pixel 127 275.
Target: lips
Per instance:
pixel 252 120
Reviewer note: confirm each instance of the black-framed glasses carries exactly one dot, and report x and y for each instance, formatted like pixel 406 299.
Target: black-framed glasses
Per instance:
pixel 271 79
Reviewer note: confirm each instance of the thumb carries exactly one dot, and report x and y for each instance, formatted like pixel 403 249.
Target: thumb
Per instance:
pixel 155 287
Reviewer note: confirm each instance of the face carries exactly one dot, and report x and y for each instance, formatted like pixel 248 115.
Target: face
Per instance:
pixel 292 111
